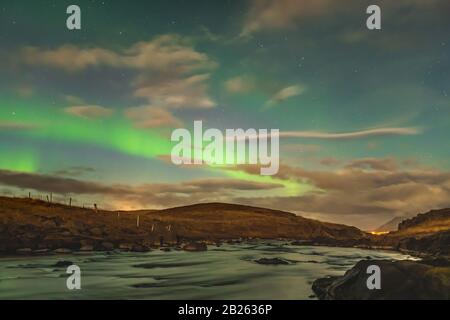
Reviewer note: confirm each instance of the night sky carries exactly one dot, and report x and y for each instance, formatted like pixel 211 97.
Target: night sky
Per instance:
pixel 88 113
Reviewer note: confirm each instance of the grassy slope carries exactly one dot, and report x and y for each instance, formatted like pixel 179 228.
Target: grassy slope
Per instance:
pixel 35 224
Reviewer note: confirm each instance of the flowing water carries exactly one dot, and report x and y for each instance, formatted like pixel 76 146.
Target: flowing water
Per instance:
pixel 226 272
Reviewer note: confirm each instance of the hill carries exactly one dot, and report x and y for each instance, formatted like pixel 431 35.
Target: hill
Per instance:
pixel 425 233
pixel 29 225
pixel 391 225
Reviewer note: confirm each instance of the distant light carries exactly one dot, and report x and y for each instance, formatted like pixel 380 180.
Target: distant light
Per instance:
pixel 379 233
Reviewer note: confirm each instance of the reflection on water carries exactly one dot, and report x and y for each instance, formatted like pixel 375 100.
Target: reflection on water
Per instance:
pixel 226 272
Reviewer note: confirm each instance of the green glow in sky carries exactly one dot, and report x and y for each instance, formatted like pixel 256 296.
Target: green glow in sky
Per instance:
pixel 21 161
pixel 115 132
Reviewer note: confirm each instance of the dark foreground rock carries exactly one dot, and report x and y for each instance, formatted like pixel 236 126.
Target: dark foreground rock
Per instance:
pixel 302 243
pixel 195 246
pixel 400 280
pixel 63 264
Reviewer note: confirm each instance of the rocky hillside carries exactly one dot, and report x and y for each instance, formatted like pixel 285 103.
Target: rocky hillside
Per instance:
pixel 432 221
pixel 427 233
pixel 28 225
pixel 391 225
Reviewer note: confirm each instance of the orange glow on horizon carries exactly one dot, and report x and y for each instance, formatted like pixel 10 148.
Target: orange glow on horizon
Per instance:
pixel 379 233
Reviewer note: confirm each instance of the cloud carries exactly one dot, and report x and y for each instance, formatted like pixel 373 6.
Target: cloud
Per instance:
pixel 330 162
pixel 388 164
pixel 281 14
pixel 145 117
pixel 240 84
pixel 299 147
pixel 351 135
pixel 161 53
pixel 355 194
pixel 74 171
pixel 48 183
pixel 175 93
pixel 145 195
pixel 89 111
pixel 69 57
pixel 266 15
pixel 359 196
pixel 14 125
pixel 285 94
pixel 406 131
pixel 25 91
pixel 168 70
pixel 73 100
pixel 224 184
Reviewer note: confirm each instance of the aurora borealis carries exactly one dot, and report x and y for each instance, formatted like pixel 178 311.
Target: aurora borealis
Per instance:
pixel 364 116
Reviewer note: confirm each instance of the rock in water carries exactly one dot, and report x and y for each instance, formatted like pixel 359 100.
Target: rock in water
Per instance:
pixel 195 246
pixel 62 251
pixel 63 264
pixel 126 246
pixel 139 248
pixel 400 280
pixel 273 261
pixel 108 246
pixel 87 248
pixel 302 243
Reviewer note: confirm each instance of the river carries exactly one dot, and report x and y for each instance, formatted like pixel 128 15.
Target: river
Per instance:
pixel 226 272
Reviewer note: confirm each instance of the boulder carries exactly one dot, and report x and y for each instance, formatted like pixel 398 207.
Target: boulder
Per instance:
pixel 126 246
pixel 139 248
pixel 195 246
pixel 400 280
pixel 302 243
pixel 41 251
pixel 96 231
pixel 63 264
pixel 108 246
pixel 87 248
pixel 62 251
